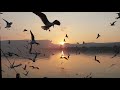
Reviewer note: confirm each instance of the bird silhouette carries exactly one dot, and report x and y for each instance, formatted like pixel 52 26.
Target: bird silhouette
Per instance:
pixel 113 24
pixel 33 39
pixel 98 36
pixel 25 30
pixel 96 59
pixel 118 15
pixel 34 67
pixel 26 74
pixel 64 40
pixel 8 24
pixel 83 42
pixel 46 21
pixel 24 68
pixel 66 36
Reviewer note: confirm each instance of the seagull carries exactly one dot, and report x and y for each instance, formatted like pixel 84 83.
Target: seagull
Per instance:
pixel 25 30
pixel 46 21
pixel 112 65
pixel 32 42
pixel 25 67
pixel 66 36
pixel 113 24
pixel 83 42
pixel 64 40
pixel 118 15
pixel 8 24
pixel 98 36
pixel 35 57
pixel 96 59
pixel 116 54
pixel 34 67
pixel 33 39
pixel 26 73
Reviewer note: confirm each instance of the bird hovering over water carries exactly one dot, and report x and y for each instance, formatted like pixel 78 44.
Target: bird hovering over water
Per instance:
pixel 33 39
pixel 45 20
pixel 8 24
pixel 96 59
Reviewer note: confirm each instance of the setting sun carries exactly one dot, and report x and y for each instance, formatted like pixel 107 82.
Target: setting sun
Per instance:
pixel 62 43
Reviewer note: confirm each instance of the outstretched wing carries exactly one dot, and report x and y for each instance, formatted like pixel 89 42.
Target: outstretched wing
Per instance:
pixel 43 17
pixel 32 36
pixel 6 21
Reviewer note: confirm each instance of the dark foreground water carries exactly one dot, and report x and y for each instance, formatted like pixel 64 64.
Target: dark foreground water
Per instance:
pixel 79 65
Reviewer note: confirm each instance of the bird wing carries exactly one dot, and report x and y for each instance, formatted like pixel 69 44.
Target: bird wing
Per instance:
pixel 42 16
pixel 6 21
pixel 57 22
pixel 32 36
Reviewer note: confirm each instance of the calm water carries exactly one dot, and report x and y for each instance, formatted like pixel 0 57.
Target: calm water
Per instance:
pixel 77 66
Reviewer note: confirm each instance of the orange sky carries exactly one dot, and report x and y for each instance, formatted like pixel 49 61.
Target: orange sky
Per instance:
pixel 80 26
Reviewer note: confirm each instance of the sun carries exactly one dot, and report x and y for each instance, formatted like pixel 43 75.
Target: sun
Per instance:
pixel 62 43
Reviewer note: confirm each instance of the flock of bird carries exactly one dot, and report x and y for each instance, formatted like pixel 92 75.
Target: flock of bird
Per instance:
pixel 47 27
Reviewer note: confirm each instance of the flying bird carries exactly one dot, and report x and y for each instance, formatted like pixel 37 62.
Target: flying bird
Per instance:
pixel 26 73
pixel 8 24
pixel 98 36
pixel 118 15
pixel 66 36
pixel 34 67
pixel 25 30
pixel 64 40
pixel 24 68
pixel 83 42
pixel 33 39
pixel 113 24
pixel 45 20
pixel 96 59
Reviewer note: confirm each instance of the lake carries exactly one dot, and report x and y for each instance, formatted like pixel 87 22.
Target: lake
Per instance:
pixel 78 65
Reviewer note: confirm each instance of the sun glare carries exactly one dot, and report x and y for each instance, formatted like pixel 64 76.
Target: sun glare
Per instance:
pixel 62 43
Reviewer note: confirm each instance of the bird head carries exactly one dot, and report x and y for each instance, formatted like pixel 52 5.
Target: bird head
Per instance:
pixel 56 22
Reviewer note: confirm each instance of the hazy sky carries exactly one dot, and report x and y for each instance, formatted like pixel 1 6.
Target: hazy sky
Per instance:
pixel 80 26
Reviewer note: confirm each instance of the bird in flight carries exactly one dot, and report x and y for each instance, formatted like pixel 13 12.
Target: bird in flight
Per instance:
pixel 25 30
pixel 26 73
pixel 113 24
pixel 45 20
pixel 118 15
pixel 96 59
pixel 8 24
pixel 34 67
pixel 24 68
pixel 64 40
pixel 33 39
pixel 98 36
pixel 83 42
pixel 66 36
